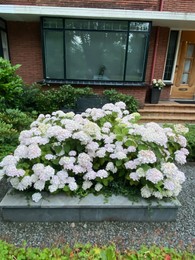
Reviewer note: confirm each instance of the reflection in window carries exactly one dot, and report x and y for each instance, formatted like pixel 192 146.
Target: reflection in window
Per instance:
pixel 4 50
pixel 171 55
pixel 95 50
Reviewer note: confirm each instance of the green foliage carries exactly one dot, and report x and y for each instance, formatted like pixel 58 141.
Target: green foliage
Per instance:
pixel 55 99
pixel 29 98
pixel 130 101
pixel 12 122
pixel 10 84
pixel 8 139
pixel 191 142
pixel 19 120
pixel 88 251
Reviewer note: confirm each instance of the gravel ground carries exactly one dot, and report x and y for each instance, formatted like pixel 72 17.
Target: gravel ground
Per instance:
pixel 179 234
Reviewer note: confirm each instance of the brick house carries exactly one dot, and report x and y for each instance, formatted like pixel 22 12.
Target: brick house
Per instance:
pixel 103 44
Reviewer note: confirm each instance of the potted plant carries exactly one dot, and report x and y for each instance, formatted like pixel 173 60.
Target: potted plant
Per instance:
pixel 157 86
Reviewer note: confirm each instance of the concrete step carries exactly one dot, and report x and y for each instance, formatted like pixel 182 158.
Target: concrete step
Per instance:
pixel 168 112
pixel 169 119
pixel 170 106
pixel 16 206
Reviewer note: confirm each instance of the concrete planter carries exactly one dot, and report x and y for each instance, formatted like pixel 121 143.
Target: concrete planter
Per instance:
pixel 16 206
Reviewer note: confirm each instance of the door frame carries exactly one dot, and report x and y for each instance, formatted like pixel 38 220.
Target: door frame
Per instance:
pixel 175 69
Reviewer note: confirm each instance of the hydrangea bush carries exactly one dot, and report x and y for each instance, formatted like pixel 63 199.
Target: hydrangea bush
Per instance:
pixel 86 152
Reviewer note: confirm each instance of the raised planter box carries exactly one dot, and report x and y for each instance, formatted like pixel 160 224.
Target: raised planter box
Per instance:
pixel 16 206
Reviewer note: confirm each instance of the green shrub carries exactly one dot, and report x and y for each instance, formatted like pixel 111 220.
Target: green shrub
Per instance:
pixel 88 251
pixel 130 101
pixel 12 122
pixel 29 98
pixel 8 139
pixel 10 84
pixel 191 142
pixel 56 99
pixel 18 119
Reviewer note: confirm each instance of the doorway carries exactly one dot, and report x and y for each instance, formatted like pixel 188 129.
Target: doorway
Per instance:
pixel 184 78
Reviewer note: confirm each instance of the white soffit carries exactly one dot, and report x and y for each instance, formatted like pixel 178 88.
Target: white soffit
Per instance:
pixel 33 13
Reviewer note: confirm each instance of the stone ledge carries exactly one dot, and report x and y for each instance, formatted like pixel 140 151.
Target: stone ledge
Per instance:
pixel 15 206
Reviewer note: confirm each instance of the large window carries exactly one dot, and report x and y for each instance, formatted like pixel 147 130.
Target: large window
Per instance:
pixel 4 51
pixel 95 50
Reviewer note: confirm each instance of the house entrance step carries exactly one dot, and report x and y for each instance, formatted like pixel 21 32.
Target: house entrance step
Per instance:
pixel 168 112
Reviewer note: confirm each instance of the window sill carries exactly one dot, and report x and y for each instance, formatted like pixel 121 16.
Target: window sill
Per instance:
pixel 93 83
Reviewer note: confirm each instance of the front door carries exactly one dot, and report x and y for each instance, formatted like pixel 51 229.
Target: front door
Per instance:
pixel 184 80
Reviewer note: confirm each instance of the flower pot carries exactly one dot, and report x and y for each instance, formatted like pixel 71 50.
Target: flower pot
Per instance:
pixel 155 95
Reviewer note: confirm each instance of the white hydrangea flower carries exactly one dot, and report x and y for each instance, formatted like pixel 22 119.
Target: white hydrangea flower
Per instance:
pixel 146 156
pixel 34 151
pixel 72 186
pixel 50 157
pixel 12 171
pixel 36 197
pixel 121 105
pixel 9 160
pixel 110 167
pixel 62 175
pixel 53 187
pixel 134 176
pixel 86 185
pixel 154 175
pixel 169 185
pixel 169 169
pixel 21 151
pixel 146 192
pixel 181 129
pixel 102 174
pixel 180 157
pixel 157 195
pixel 140 172
pixel 101 152
pixel 132 164
pixel 98 187
pixel 90 175
pixel 26 181
pixel 14 182
pixel 39 185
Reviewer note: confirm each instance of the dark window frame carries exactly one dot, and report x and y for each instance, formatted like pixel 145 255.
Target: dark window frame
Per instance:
pixel 101 81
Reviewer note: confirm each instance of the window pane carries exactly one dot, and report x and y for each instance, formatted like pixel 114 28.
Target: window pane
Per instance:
pixel 4 45
pixel 184 79
pixel 139 26
pixel 190 50
pixel 171 55
pixel 95 55
pixel 2 24
pixel 54 58
pixel 136 57
pixel 52 23
pixel 187 65
pixel 96 25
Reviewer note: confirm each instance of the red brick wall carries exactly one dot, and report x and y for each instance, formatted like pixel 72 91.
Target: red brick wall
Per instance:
pixel 161 52
pixel 179 6
pixel 168 5
pixel 138 92
pixel 120 4
pixel 25 49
